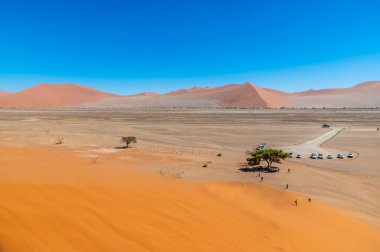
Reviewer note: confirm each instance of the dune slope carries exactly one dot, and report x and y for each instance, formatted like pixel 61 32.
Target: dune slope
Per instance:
pixel 53 96
pixel 4 92
pixel 364 95
pixel 74 205
pixel 247 96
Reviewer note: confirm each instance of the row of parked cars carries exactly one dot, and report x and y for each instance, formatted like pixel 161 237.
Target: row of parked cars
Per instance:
pixel 321 156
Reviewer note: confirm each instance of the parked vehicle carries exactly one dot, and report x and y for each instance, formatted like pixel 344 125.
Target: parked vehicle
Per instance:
pixel 329 156
pixel 350 155
pixel 340 155
pixel 313 156
pixel 299 155
pixel 320 156
pixel 291 155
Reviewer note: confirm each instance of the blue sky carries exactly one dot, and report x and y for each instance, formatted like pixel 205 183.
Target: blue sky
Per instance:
pixel 134 46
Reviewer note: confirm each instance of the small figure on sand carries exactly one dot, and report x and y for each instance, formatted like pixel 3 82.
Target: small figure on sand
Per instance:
pixel 287 186
pixel 309 200
pixel 296 202
pixel 262 179
pixel 289 170
pixel 259 174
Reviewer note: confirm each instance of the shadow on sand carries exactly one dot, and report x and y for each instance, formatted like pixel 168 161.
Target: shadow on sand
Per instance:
pixel 259 169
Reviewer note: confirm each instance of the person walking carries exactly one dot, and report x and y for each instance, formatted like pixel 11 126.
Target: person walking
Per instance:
pixel 289 170
pixel 262 179
pixel 287 186
pixel 296 202
pixel 309 200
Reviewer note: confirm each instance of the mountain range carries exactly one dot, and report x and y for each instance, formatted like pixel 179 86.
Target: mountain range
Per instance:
pixel 247 95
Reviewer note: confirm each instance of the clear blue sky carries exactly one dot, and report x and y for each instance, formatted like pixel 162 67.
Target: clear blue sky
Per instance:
pixel 132 46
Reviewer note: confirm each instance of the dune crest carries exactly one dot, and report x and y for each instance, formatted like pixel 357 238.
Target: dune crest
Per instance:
pixel 247 95
pixel 53 96
pixel 4 92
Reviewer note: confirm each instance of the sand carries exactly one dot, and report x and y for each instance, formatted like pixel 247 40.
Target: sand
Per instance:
pixel 53 96
pixel 86 195
pixel 54 200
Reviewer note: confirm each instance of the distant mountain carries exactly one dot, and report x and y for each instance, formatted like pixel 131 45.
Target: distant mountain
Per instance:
pixel 53 96
pixel 3 93
pixel 245 95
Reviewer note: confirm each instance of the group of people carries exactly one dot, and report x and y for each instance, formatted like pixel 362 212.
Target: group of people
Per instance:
pixel 286 187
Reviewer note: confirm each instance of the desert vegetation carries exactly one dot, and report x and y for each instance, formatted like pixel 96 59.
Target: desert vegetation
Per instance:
pixel 128 140
pixel 59 140
pixel 268 155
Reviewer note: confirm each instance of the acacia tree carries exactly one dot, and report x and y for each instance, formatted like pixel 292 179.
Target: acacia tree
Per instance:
pixel 268 155
pixel 128 140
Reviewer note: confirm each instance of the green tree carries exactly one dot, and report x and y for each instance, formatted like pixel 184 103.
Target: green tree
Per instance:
pixel 268 155
pixel 128 140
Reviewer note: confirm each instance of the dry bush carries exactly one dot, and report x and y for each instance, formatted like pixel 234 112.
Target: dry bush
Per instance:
pixel 59 140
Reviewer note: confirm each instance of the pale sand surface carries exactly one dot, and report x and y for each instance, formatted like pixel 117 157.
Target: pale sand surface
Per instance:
pixel 176 144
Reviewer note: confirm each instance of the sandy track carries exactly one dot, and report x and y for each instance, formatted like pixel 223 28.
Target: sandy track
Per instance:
pixel 315 145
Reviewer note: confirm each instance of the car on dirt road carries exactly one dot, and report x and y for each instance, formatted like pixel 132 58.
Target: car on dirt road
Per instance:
pixel 320 156
pixel 340 156
pixel 291 155
pixel 330 156
pixel 313 156
pixel 299 155
pixel 350 155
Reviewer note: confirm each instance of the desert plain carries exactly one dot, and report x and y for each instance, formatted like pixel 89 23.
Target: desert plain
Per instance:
pixel 182 186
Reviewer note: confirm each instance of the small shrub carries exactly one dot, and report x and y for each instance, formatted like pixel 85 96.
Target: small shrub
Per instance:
pixel 59 140
pixel 94 159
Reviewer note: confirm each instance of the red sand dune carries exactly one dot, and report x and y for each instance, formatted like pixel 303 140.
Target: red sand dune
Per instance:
pixel 247 95
pixel 147 94
pixel 53 96
pixel 234 95
pixel 4 92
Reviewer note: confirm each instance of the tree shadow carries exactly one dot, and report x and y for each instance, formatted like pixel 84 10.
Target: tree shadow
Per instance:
pixel 259 169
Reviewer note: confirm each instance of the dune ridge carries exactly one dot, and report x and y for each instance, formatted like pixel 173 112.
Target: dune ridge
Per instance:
pixel 53 96
pixel 74 205
pixel 247 95
pixel 4 92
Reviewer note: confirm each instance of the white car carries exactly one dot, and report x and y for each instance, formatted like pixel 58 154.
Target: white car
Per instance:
pixel 313 156
pixel 329 156
pixel 350 155
pixel 340 155
pixel 320 156
pixel 291 155
pixel 299 155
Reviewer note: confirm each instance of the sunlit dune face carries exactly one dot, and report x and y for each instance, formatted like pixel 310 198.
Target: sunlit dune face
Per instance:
pixel 54 200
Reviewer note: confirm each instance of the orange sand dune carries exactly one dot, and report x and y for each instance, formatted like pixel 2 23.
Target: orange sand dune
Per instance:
pixel 53 200
pixel 53 96
pixel 247 95
pixel 3 93
pixel 233 95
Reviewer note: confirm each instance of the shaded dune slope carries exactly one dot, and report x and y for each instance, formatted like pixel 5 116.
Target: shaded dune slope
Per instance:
pixel 365 95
